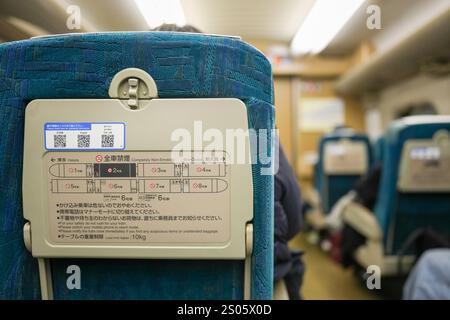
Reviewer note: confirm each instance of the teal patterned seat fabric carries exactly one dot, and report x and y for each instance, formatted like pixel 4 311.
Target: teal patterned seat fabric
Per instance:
pixel 378 149
pixel 332 187
pixel 82 66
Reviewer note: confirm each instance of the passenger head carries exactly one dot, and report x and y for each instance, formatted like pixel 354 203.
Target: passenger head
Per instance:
pixel 422 108
pixel 175 28
pixel 342 129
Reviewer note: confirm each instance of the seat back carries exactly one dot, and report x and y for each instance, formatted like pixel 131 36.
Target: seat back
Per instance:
pixel 81 67
pixel 378 149
pixel 415 183
pixel 343 159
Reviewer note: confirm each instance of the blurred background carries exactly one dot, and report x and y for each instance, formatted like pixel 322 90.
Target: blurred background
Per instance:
pixel 353 63
pixel 358 64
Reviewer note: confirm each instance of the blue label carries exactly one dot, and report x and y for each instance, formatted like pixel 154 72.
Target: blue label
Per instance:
pixel 79 126
pixel 84 135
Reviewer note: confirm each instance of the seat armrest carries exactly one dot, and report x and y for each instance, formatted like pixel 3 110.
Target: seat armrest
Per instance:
pixel 316 219
pixel 311 196
pixel 362 220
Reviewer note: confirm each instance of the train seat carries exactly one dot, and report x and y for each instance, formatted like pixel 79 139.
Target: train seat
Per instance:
pixel 378 148
pixel 82 66
pixel 413 192
pixel 344 157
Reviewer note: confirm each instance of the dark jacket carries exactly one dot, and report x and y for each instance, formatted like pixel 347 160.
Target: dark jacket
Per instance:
pixel 288 222
pixel 366 194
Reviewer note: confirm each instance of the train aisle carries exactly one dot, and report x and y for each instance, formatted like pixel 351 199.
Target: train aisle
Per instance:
pixel 326 280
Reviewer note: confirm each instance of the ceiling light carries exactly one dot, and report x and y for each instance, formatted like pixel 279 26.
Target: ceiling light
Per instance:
pixel 159 12
pixel 321 25
pixel 26 27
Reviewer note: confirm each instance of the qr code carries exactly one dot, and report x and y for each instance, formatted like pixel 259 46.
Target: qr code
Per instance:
pixel 84 141
pixel 59 141
pixel 107 140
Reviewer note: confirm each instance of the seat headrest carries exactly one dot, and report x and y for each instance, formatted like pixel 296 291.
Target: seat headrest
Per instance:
pixel 421 120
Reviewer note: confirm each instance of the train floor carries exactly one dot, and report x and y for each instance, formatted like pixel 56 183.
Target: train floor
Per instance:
pixel 325 279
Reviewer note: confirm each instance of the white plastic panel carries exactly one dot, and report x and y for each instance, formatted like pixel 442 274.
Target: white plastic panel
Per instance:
pixel 425 164
pixel 345 157
pixel 136 201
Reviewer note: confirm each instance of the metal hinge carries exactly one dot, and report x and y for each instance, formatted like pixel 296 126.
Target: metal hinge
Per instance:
pixel 45 272
pixel 248 261
pixel 133 93
pixel 133 86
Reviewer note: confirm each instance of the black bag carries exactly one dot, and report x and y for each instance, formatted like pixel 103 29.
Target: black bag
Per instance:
pixel 423 239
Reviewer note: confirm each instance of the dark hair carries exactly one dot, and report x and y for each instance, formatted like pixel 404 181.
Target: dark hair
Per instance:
pixel 174 27
pixel 422 108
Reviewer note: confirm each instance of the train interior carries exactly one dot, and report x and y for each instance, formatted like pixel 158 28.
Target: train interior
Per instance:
pixel 356 91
